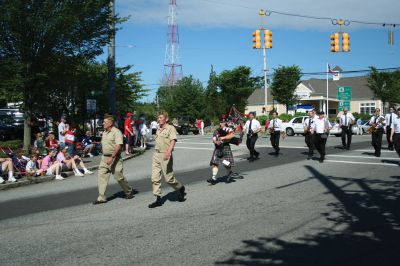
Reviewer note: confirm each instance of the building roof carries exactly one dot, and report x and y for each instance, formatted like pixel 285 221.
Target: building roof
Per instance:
pixel 360 90
pixel 257 97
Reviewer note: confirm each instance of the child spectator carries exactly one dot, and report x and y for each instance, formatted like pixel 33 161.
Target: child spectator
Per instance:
pixel 69 163
pixel 6 165
pixel 143 133
pixel 89 146
pixel 32 166
pixel 50 166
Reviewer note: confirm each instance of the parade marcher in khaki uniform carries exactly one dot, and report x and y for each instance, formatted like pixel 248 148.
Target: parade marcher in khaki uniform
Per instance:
pixel 163 161
pixel 111 161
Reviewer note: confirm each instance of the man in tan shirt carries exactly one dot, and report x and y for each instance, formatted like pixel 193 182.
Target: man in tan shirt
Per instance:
pixel 111 161
pixel 163 162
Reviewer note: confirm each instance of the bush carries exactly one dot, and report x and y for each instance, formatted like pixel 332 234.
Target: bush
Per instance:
pixel 286 117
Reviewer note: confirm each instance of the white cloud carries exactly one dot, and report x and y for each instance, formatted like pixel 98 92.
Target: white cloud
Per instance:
pixel 240 13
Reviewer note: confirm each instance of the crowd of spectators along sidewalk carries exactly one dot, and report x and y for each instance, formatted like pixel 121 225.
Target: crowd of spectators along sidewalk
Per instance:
pixel 135 131
pixel 52 156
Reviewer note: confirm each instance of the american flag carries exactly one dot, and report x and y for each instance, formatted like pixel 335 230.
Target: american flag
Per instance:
pixel 335 73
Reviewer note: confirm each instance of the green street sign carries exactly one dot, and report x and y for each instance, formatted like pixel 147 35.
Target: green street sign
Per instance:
pixel 343 104
pixel 344 93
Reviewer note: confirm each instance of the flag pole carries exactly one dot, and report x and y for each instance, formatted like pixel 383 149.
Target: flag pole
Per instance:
pixel 327 90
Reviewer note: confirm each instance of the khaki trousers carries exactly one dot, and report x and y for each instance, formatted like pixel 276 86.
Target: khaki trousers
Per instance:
pixel 104 175
pixel 160 166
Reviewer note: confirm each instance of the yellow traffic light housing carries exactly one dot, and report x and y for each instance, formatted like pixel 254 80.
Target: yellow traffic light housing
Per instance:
pixel 335 42
pixel 256 39
pixel 268 39
pixel 345 42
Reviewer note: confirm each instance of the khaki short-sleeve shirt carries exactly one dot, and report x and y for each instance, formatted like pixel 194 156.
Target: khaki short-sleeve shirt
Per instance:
pixel 163 138
pixel 110 139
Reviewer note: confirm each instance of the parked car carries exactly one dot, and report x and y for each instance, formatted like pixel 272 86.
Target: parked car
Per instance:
pixel 294 126
pixel 16 115
pixel 7 129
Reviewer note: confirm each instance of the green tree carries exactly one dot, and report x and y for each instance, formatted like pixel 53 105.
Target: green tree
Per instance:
pixel 36 36
pixel 235 86
pixel 385 85
pixel 214 106
pixel 185 98
pixel 284 84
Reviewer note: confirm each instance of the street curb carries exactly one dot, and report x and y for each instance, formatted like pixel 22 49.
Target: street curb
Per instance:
pixel 42 179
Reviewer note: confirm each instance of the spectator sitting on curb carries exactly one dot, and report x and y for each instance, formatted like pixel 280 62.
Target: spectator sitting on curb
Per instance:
pixel 51 166
pixel 6 165
pixel 89 146
pixel 69 163
pixel 32 166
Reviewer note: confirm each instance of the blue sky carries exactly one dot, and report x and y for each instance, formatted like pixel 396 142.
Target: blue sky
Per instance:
pixel 218 33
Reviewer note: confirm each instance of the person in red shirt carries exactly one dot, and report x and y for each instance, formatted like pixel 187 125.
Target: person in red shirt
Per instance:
pixel 128 132
pixel 51 141
pixel 70 138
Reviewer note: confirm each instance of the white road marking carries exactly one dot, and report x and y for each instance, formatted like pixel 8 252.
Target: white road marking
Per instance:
pixel 374 151
pixel 350 162
pixel 244 145
pixel 364 157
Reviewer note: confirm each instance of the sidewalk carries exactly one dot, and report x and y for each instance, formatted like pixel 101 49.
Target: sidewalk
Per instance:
pixel 91 164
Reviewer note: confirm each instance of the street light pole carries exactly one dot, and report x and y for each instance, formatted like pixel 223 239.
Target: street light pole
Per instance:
pixel 111 60
pixel 265 77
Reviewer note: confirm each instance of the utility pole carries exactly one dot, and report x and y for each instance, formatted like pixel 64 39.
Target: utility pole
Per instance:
pixel 267 45
pixel 111 60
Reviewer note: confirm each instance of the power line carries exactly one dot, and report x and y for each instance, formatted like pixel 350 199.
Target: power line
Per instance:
pixel 333 20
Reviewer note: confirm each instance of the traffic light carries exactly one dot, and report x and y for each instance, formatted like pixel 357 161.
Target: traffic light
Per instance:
pixel 335 42
pixel 256 39
pixel 268 39
pixel 345 42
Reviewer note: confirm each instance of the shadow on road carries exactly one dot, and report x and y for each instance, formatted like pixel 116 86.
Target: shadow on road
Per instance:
pixel 366 229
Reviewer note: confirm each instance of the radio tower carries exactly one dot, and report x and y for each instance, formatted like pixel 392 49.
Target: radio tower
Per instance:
pixel 172 65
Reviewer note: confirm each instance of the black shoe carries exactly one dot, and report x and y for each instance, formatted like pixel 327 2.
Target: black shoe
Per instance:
pixel 378 155
pixel 229 178
pixel 321 160
pixel 249 158
pixel 212 181
pixel 129 196
pixel 99 202
pixel 348 148
pixel 181 194
pixel 257 155
pixel 156 203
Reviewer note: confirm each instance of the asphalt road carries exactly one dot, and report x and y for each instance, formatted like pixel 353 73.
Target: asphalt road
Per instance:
pixel 285 211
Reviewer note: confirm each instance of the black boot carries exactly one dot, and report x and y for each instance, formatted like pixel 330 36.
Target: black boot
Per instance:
pixel 181 194
pixel 156 203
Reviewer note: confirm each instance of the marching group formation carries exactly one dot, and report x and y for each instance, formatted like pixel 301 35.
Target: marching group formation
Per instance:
pixel 316 132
